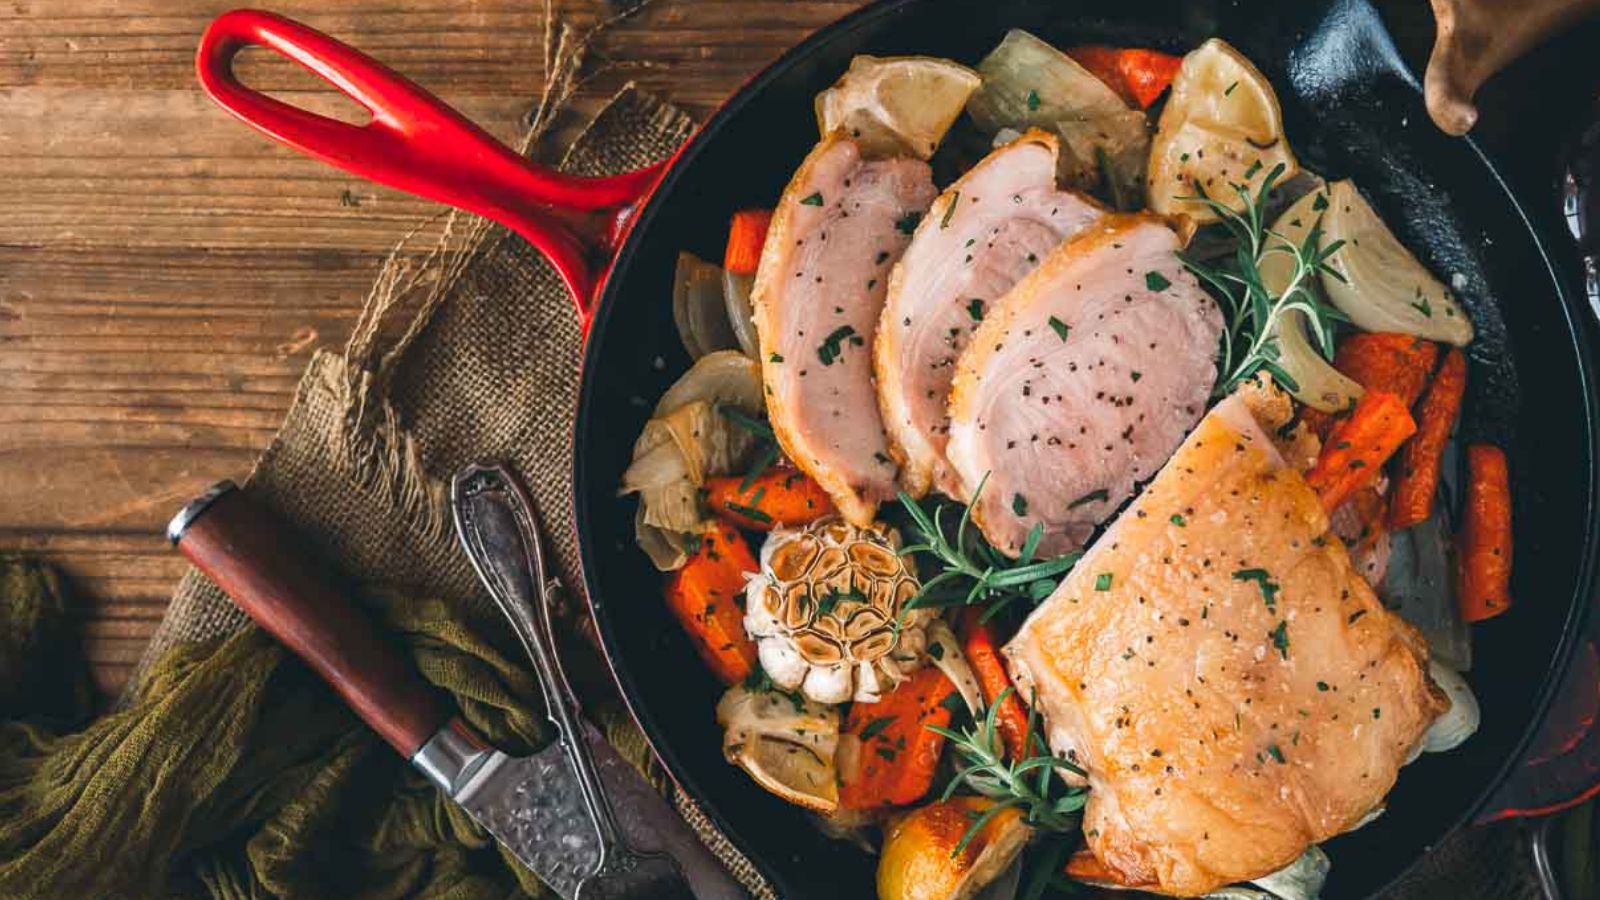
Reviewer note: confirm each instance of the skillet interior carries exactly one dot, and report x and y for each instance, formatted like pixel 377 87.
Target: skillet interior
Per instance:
pixel 1349 110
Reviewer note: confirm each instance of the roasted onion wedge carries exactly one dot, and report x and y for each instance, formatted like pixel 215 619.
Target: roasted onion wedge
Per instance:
pixel 687 440
pixel 699 308
pixel 1316 382
pixel 1027 83
pixel 1384 287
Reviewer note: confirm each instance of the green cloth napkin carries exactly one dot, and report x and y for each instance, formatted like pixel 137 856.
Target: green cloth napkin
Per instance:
pixel 237 774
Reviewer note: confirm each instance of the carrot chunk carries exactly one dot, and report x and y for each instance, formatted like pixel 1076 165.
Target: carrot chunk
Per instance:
pixel 705 595
pixel 979 645
pixel 1140 76
pixel 1358 447
pixel 778 496
pixel 1380 361
pixel 1483 545
pixel 746 236
pixel 1385 361
pixel 1416 482
pixel 898 753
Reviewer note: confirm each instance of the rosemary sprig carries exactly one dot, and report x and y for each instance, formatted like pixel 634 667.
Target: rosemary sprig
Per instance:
pixel 971 571
pixel 1029 784
pixel 766 443
pixel 1250 341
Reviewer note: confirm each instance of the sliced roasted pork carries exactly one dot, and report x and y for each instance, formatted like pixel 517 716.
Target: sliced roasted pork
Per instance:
pixel 980 237
pixel 1231 684
pixel 1081 383
pixel 836 234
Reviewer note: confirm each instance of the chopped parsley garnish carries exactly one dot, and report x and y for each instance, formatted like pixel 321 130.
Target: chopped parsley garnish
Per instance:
pixel 813 200
pixel 975 309
pixel 1253 169
pixel 1322 686
pixel 1319 202
pixel 1033 100
pixel 1230 89
pixel 1090 497
pixel 1019 504
pixel 1102 582
pixel 746 421
pixel 887 753
pixel 1156 281
pixel 936 651
pixel 1179 520
pixel 1275 753
pixel 1135 375
pixel 776 357
pixel 1263 580
pixel 950 209
pixel 749 512
pixel 1280 639
pixel 876 727
pixel 830 349
pixel 833 598
pixel 1423 306
pixel 1061 328
pixel 908 222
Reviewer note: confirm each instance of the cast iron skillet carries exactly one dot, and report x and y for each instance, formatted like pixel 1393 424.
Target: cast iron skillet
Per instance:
pixel 1351 108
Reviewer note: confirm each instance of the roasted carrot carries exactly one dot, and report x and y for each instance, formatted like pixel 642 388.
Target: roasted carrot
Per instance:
pixel 746 236
pixel 1381 361
pixel 1139 76
pixel 1483 545
pixel 1416 480
pixel 978 643
pixel 897 752
pixel 705 596
pixel 778 496
pixel 1358 447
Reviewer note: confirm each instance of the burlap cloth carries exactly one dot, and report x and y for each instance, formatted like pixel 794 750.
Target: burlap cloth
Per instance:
pixel 468 349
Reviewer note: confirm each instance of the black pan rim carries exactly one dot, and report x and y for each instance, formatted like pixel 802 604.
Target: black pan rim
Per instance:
pixel 1576 318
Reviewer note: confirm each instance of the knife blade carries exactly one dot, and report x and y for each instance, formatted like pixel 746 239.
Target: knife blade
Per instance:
pixel 538 806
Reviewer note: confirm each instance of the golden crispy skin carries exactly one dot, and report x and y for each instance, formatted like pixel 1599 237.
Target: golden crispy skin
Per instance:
pixel 1233 686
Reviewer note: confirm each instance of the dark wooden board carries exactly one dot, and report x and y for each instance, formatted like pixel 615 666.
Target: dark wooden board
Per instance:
pixel 165 273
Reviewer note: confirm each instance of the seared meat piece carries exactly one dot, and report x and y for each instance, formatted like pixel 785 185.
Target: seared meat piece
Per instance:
pixel 982 235
pixel 835 236
pixel 1232 685
pixel 1081 383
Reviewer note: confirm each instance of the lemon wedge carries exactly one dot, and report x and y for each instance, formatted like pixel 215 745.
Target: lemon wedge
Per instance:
pixel 1221 127
pixel 896 106
pixel 784 742
pixel 919 861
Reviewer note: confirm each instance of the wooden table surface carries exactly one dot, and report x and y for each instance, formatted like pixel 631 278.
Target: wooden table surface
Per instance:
pixel 165 273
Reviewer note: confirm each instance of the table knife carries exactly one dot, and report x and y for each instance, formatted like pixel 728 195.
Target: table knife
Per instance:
pixel 597 833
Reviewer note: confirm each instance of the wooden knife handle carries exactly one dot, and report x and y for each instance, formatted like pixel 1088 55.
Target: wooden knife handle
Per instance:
pixel 254 557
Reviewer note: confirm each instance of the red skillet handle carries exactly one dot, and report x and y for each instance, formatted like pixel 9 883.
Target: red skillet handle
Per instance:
pixel 415 143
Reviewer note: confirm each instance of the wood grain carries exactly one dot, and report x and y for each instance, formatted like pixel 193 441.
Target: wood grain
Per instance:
pixel 165 272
